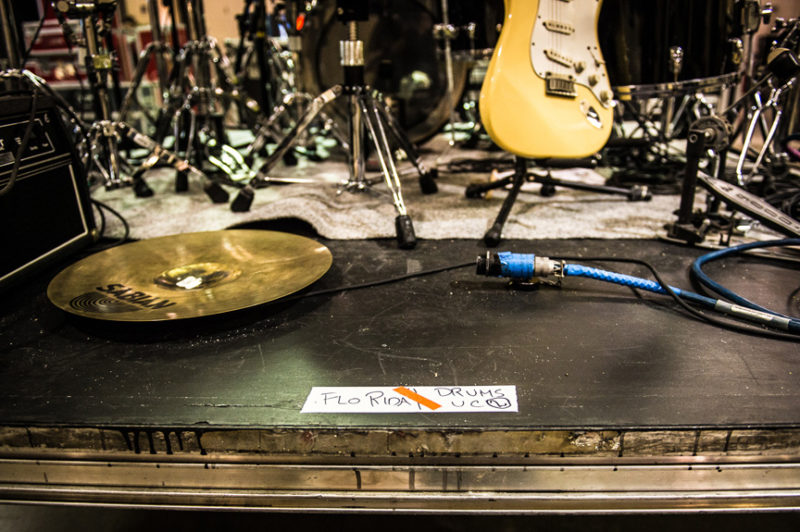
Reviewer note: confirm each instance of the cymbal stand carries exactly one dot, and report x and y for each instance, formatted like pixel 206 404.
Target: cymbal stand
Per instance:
pixel 201 89
pixel 278 78
pixel 102 143
pixel 446 32
pixel 103 135
pixel 367 114
pixel 118 129
pixel 159 51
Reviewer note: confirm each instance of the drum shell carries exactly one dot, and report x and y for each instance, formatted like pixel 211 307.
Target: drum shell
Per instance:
pixel 485 17
pixel 636 36
pixel 404 59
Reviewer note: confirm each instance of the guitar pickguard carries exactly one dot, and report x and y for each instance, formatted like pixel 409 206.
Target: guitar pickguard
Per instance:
pixel 546 93
pixel 564 49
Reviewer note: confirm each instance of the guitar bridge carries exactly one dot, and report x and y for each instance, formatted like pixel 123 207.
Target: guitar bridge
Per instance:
pixel 559 85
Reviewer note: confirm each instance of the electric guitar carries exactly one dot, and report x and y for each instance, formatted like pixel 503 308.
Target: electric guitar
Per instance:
pixel 546 92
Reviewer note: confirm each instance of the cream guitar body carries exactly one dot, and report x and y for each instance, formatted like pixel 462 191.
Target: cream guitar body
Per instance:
pixel 546 92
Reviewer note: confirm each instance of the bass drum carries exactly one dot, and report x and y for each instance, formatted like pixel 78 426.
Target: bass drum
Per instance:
pixel 642 40
pixel 402 59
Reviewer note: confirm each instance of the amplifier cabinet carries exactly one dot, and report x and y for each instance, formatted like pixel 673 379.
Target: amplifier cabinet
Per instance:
pixel 47 214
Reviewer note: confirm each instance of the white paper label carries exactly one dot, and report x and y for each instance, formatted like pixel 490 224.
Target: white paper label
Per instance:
pixel 411 399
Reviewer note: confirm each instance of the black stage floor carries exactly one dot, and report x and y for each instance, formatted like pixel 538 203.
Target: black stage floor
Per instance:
pixel 584 356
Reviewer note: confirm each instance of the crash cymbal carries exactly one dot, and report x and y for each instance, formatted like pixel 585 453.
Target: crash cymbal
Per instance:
pixel 189 275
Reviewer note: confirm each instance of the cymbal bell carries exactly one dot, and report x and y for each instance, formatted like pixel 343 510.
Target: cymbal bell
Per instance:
pixel 189 275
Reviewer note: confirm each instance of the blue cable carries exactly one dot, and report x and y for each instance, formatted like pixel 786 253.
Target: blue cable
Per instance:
pixel 766 318
pixel 705 280
pixel 523 266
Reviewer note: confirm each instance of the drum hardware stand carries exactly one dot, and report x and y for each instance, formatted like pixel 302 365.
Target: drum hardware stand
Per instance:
pixel 714 133
pixel 365 109
pixel 446 32
pixel 758 119
pixel 193 108
pixel 119 130
pixel 104 134
pixel 520 175
pixel 101 141
pixel 276 69
pixel 785 77
pixel 11 42
pixel 158 50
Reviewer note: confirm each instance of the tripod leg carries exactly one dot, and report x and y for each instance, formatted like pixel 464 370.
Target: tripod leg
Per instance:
pixel 138 75
pixel 403 226
pixel 305 120
pixel 427 178
pixel 245 197
pixel 175 99
pixel 357 155
pixel 492 236
pixel 267 129
pixel 767 142
pixel 159 153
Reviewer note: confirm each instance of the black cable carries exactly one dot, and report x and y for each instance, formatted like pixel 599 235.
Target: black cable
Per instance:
pixel 101 212
pixel 33 41
pixel 694 312
pixel 126 234
pixel 380 282
pixel 22 146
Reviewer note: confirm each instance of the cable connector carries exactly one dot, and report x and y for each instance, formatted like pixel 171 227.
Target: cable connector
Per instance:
pixel 518 266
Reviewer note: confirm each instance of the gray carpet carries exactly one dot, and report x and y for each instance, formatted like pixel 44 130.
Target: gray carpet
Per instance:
pixel 356 215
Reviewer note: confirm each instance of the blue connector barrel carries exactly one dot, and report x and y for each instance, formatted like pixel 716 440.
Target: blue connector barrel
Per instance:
pixel 516 265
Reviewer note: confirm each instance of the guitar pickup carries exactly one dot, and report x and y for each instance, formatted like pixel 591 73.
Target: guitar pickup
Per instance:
pixel 559 27
pixel 559 58
pixel 559 85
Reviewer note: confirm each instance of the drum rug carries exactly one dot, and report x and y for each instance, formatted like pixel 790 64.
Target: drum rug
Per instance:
pixel 342 214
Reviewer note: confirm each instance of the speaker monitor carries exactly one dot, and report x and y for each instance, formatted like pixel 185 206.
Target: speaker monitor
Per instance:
pixel 46 215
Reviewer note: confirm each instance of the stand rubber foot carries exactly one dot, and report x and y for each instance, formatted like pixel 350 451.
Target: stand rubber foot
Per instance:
pixel 474 190
pixel 640 193
pixel 427 182
pixel 243 200
pixel 492 237
pixel 216 192
pixel 142 189
pixel 406 238
pixel 548 190
pixel 181 182
pixel 289 158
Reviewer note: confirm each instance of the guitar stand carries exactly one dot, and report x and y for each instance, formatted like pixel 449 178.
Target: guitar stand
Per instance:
pixel 367 113
pixel 520 175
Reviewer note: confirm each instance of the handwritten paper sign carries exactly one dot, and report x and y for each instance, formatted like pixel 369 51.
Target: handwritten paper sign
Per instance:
pixel 410 399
